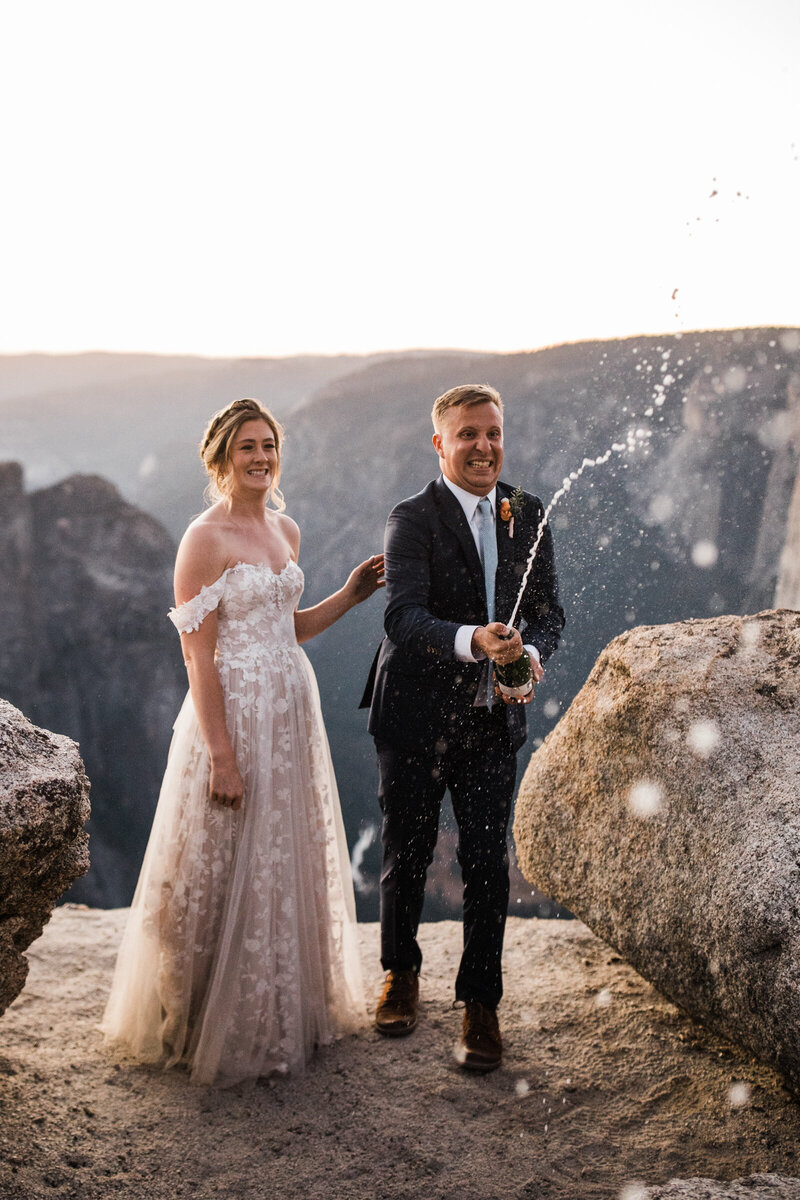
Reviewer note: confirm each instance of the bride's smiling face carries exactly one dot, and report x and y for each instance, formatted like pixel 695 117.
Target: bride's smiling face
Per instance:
pixel 253 458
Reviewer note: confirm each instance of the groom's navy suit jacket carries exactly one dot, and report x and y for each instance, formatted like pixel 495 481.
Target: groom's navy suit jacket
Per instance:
pixel 418 693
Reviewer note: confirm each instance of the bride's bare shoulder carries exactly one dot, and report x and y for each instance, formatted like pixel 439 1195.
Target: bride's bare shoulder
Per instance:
pixel 202 554
pixel 205 533
pixel 290 530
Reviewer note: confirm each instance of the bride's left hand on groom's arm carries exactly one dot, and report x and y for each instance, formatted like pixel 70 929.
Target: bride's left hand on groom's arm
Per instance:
pixel 366 579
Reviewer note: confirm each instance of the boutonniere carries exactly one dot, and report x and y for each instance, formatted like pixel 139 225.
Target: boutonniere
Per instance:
pixel 512 508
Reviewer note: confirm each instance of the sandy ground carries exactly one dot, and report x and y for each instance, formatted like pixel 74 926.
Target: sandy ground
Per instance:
pixel 603 1083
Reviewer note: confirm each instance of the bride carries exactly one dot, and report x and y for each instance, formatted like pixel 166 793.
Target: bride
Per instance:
pixel 240 954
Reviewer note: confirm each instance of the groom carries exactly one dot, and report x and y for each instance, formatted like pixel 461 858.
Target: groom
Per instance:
pixel 455 556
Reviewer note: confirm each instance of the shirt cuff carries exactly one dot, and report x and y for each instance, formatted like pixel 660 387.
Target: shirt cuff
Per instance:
pixel 534 653
pixel 463 644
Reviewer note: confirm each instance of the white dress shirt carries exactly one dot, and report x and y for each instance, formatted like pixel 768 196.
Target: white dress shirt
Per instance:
pixel 469 503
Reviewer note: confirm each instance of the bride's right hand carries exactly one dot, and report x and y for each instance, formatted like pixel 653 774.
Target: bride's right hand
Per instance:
pixel 226 786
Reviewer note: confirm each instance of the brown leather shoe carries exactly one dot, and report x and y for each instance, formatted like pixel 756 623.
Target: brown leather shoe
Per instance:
pixel 481 1047
pixel 396 1014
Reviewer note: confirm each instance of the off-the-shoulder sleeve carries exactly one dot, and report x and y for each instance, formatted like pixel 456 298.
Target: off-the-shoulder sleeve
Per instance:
pixel 189 616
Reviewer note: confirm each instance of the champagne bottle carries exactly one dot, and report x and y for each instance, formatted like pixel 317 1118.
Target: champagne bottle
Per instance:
pixel 515 678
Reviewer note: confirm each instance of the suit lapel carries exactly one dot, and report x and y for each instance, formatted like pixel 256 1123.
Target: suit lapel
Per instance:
pixel 452 515
pixel 505 581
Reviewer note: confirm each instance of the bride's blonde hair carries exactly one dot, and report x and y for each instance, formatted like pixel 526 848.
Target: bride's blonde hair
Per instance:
pixel 215 448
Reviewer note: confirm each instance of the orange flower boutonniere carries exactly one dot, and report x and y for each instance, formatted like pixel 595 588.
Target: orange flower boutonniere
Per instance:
pixel 512 508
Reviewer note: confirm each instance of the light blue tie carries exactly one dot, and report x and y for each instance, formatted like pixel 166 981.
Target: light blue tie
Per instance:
pixel 487 541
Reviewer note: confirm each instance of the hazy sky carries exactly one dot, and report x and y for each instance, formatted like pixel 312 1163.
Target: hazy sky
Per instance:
pixel 271 178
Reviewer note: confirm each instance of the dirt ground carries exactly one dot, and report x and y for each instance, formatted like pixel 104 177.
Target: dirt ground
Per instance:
pixel 604 1084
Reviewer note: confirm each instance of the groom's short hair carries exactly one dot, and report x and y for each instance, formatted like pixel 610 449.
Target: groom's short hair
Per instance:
pixel 464 396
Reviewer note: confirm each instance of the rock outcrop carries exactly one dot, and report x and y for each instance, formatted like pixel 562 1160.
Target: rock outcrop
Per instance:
pixel 86 650
pixel 663 811
pixel 44 803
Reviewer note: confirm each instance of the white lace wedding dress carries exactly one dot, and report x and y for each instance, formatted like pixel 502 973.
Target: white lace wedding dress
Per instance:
pixel 240 953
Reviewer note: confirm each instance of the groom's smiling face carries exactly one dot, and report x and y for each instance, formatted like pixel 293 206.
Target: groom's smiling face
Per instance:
pixel 469 442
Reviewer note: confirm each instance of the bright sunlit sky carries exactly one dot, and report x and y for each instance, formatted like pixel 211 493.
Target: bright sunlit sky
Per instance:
pixel 258 178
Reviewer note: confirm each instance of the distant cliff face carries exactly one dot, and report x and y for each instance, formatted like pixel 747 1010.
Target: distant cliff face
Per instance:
pixel 86 650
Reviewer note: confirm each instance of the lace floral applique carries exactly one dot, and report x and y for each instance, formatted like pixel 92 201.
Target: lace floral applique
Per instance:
pixel 189 616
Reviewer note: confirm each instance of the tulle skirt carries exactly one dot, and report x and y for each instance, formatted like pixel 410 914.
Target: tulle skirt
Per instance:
pixel 240 954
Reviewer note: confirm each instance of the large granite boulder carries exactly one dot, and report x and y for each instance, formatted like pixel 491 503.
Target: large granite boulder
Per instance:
pixel 663 811
pixel 44 803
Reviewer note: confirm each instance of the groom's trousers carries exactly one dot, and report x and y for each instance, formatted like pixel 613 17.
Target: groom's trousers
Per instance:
pixel 412 781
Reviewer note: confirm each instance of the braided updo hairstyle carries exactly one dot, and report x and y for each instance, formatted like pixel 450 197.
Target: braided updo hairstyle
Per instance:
pixel 216 444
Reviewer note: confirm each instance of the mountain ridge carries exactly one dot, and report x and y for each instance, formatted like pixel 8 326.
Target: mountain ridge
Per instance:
pixel 717 479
